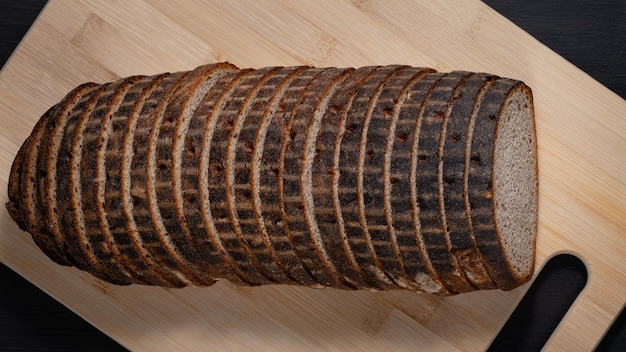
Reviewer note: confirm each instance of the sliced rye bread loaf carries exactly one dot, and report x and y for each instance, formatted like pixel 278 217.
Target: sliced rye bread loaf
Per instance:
pixel 502 182
pixel 452 164
pixel 324 180
pixel 318 176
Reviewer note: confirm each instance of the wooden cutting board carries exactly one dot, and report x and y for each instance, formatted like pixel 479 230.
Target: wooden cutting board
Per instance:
pixel 582 164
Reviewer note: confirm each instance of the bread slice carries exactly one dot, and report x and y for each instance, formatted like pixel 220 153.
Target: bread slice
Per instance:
pixel 350 180
pixel 236 178
pixel 23 193
pixel 455 133
pixel 502 182
pixel 391 177
pixel 218 186
pixel 155 252
pixel 168 155
pixel 76 241
pixel 403 192
pixel 241 172
pixel 324 177
pixel 265 172
pixel 37 148
pixel 91 196
pixel 297 153
pixel 47 160
pixel 194 181
pixel 435 237
pixel 380 136
pixel 126 247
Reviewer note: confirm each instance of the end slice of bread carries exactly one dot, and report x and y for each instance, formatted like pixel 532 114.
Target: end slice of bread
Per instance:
pixel 502 182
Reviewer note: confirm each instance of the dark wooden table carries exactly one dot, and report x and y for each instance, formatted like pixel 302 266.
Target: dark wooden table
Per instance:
pixel 590 34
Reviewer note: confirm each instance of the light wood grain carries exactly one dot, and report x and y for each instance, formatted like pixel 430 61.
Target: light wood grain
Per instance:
pixel 582 165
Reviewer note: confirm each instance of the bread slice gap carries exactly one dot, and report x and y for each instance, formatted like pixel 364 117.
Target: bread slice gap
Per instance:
pixel 327 210
pixel 502 182
pixel 452 163
pixel 265 171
